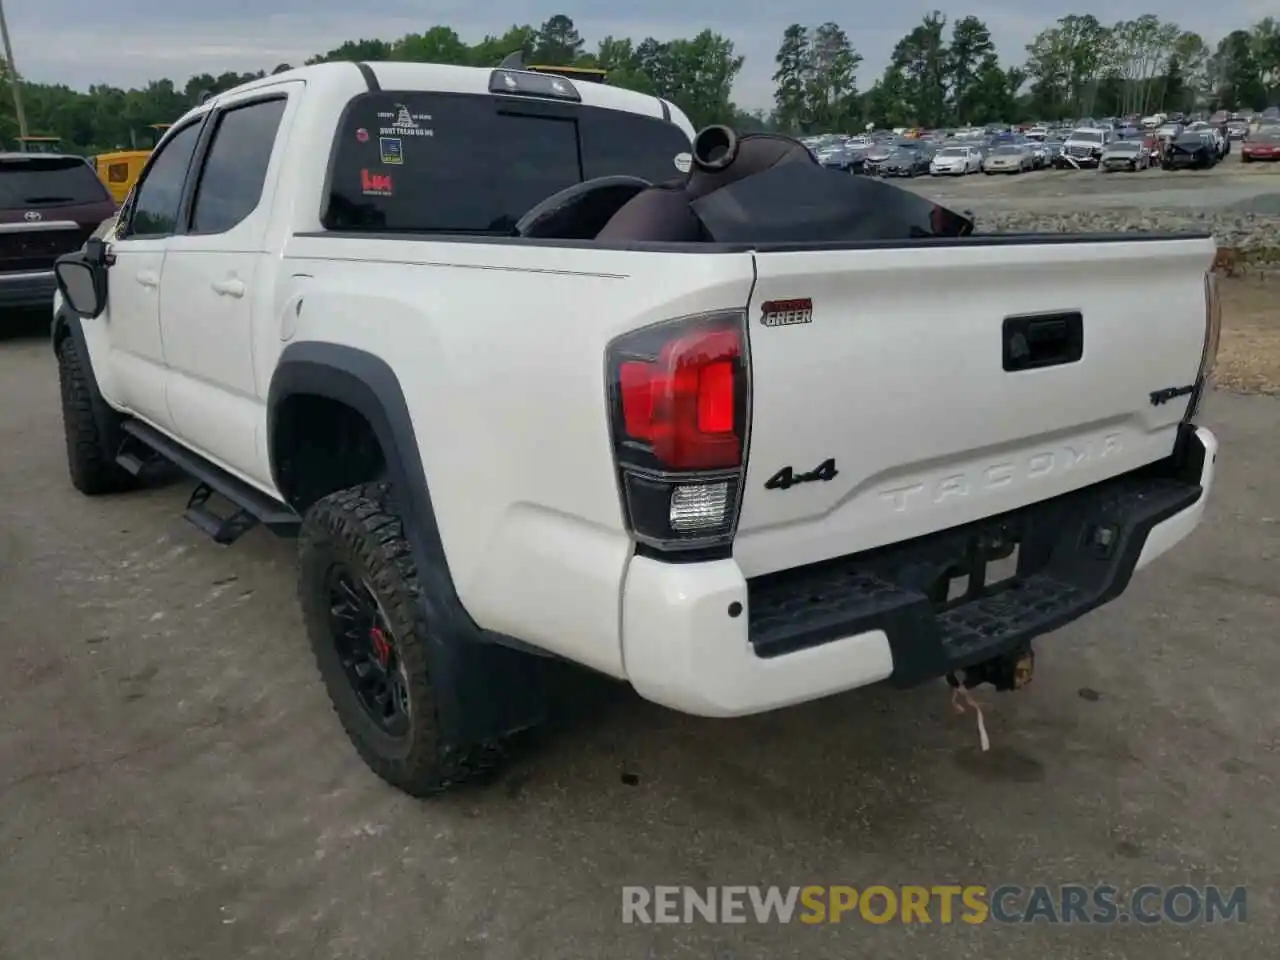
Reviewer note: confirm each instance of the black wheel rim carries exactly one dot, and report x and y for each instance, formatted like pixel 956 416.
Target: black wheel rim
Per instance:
pixel 368 652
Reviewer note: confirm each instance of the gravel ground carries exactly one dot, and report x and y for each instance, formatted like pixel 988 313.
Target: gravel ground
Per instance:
pixel 1238 203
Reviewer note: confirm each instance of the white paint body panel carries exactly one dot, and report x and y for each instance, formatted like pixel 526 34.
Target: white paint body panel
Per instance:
pixel 499 349
pixel 900 378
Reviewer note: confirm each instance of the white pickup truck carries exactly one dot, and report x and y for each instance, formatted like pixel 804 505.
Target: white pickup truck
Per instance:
pixel 425 318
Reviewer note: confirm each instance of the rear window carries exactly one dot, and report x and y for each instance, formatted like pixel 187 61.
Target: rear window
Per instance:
pixel 1087 136
pixel 48 182
pixel 465 163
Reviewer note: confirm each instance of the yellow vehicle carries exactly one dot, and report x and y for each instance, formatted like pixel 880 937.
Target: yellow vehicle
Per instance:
pixel 586 74
pixel 120 169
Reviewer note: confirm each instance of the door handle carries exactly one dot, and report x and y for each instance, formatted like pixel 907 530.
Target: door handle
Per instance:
pixel 1044 340
pixel 231 287
pixel 148 278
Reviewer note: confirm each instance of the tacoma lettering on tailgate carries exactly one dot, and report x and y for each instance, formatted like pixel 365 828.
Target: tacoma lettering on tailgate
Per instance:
pixel 1036 466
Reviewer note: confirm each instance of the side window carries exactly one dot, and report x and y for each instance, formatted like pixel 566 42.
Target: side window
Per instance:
pixel 235 169
pixel 159 195
pixel 118 173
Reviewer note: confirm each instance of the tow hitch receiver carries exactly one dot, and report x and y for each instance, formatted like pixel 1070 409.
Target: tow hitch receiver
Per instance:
pixel 1009 671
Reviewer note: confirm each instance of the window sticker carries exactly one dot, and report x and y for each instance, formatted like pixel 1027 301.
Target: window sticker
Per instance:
pixel 362 135
pixel 392 150
pixel 375 184
pixel 403 123
pixel 683 162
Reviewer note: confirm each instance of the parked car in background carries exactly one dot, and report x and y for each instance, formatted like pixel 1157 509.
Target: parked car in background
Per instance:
pixel 955 161
pixel 50 203
pixel 1237 129
pixel 1191 150
pixel 1010 158
pixel 876 155
pixel 1221 143
pixel 841 156
pixel 907 161
pixel 1085 145
pixel 1125 155
pixel 1263 145
pixel 1154 147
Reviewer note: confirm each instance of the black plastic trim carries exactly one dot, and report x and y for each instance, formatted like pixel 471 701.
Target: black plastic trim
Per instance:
pixel 1062 575
pixel 271 513
pixel 666 109
pixel 370 78
pixel 973 240
pixel 487 684
pixel 67 324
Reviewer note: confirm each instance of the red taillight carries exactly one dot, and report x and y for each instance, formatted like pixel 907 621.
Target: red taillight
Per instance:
pixel 680 406
pixel 683 403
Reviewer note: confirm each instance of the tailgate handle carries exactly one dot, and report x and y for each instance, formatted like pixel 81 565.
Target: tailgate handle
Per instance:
pixel 1043 340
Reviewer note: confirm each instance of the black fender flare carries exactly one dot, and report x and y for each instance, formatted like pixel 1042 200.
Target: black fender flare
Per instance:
pixel 487 685
pixel 67 324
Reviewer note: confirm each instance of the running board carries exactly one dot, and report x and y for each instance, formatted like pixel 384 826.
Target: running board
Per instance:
pixel 252 505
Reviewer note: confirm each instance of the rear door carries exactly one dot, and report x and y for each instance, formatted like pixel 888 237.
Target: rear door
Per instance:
pixel 897 408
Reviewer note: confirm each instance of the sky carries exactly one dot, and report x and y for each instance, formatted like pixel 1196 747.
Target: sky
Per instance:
pixel 128 42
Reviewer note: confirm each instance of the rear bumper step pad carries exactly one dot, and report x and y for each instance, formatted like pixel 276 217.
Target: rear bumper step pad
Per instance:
pixel 1076 552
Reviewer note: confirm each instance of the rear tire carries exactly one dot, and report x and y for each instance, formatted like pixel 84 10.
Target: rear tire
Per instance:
pixel 93 471
pixel 357 531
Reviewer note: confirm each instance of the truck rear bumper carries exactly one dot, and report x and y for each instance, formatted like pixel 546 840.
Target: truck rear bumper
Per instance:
pixel 702 639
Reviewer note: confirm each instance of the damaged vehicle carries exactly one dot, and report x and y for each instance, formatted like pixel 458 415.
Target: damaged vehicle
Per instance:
pixel 907 161
pixel 1191 151
pixel 531 372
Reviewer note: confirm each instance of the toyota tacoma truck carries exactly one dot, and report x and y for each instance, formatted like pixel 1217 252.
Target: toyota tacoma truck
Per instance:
pixel 531 371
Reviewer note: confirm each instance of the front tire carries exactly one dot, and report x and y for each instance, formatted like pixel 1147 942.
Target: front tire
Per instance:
pixel 93 471
pixel 359 592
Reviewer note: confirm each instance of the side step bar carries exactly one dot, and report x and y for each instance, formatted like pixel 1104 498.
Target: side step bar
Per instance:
pixel 252 505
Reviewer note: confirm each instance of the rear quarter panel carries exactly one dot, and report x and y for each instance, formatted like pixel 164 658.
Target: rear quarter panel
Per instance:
pixel 500 350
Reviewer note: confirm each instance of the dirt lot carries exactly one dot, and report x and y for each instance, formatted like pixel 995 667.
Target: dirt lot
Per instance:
pixel 173 785
pixel 1249 354
pixel 1229 184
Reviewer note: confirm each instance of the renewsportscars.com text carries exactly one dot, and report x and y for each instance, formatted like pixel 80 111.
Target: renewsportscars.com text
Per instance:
pixel 1008 903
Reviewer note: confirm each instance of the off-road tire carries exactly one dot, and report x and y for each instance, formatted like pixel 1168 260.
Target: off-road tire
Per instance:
pixel 359 528
pixel 92 470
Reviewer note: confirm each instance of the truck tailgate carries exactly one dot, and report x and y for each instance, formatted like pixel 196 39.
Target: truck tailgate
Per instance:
pixel 899 380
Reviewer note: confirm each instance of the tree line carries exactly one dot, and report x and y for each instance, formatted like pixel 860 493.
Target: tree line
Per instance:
pixel 940 73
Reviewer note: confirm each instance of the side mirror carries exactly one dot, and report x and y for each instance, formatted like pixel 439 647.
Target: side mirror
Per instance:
pixel 83 284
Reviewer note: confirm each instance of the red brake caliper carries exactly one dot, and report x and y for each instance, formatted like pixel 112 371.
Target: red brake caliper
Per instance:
pixel 381 646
